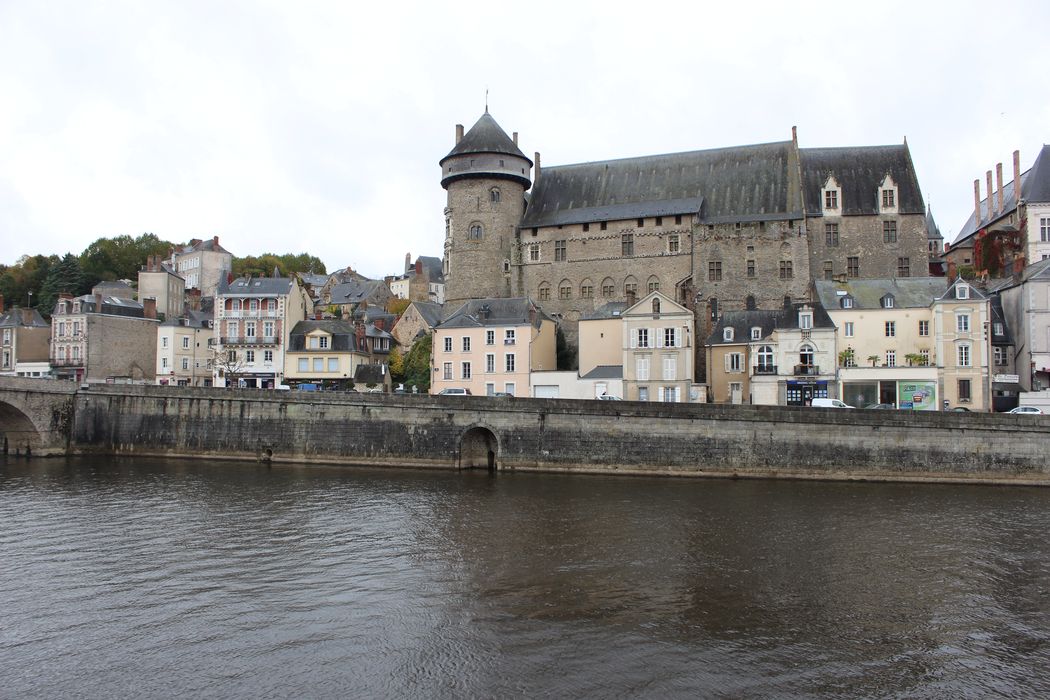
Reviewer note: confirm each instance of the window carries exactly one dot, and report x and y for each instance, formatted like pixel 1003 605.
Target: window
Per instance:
pixel 671 367
pixel 271 305
pixel 446 371
pixel 466 343
pixel 714 271
pixel 673 242
pixel 630 288
pixel 925 355
pixel 565 290
pixel 831 199
pixel 654 285
pixel 847 329
pixel 805 321
pixel 659 221
pixel 891 329
pixel 751 269
pixel 888 302
pixel 475 232
pixel 249 329
pixel 962 355
pixel 641 223
pixel 642 337
pixel 962 323
pixel 786 271
pixel 756 333
pixel 490 337
pixel 163 341
pixel 185 342
pixel 322 342
pixel 641 367
pixel 587 290
pixel 1044 230
pixel 847 302
pixel 643 393
pixel 604 225
pixel 733 362
pixel 448 344
pixel 924 328
pixel 608 288
pixel 962 292
pixel 490 363
pixel 670 337
pixel 304 364
pixel 164 362
pixel 627 244
pixel 249 356
pixel 678 220
pixel 891 358
pixel 765 360
pixel 508 336
pixel 465 370
pixel 267 355
pixel 805 356
pixel 509 388
pixel 904 267
pixel 888 199
pixel 852 267
pixel 586 227
pixel 727 334
pixel 964 390
pixel 889 231
pixel 509 362
pixel 253 305
pixel 494 195
pixel 831 235
pixel 333 364
pixel 1000 358
pixel 997 329
pixel 559 251
pixel 534 252
pixel 829 270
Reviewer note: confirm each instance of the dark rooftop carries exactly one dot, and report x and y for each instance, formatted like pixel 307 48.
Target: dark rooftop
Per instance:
pixel 859 171
pixel 486 136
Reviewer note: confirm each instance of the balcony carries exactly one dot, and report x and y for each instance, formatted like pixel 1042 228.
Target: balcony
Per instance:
pixel 248 313
pixel 806 370
pixel 508 341
pixel 765 369
pixel 251 340
pixel 63 362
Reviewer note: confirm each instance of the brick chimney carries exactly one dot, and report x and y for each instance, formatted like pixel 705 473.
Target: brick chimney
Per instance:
pixel 1017 177
pixel 988 176
pixel 98 303
pixel 359 335
pixel 215 241
pixel 380 323
pixel 149 307
pixel 419 267
pixel 976 204
pixel 999 185
pixel 459 133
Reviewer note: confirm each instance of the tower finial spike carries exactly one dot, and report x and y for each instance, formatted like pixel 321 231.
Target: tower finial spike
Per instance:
pixel 486 100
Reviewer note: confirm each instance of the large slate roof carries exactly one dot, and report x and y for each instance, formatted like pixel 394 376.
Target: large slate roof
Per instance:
pixel 255 286
pixel 478 313
pixel 193 319
pixel 356 291
pixel 1035 187
pixel 723 184
pixel 430 311
pixel 486 136
pixel 768 320
pixel 14 319
pixel 605 372
pixel 908 292
pixel 344 334
pixel 612 309
pixel 860 170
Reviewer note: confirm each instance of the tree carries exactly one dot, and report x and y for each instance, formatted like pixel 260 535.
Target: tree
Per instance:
pixel 25 276
pixel 229 364
pixel 873 359
pixel 286 265
pixel 566 354
pixel 64 276
pixel 396 361
pixel 121 257
pixel 417 364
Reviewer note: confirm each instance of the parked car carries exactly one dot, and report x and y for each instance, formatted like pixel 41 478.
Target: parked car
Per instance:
pixel 1027 410
pixel 454 391
pixel 830 403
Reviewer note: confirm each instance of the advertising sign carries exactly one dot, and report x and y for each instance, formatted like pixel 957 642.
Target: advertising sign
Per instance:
pixel 917 396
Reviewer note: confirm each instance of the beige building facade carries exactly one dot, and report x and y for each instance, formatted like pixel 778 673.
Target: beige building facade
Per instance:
pixel 658 352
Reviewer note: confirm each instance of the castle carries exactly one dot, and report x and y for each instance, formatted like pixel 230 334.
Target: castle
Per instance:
pixel 726 228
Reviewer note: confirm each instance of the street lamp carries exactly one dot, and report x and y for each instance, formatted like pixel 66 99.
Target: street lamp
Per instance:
pixel 30 304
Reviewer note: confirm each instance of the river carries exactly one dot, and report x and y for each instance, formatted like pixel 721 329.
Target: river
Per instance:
pixel 154 578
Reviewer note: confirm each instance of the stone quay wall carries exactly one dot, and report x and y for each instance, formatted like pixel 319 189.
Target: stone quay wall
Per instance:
pixel 561 435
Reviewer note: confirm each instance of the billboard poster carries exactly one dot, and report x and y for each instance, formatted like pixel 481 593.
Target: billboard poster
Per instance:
pixel 917 396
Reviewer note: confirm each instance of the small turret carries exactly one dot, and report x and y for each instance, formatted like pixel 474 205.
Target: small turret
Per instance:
pixel 485 151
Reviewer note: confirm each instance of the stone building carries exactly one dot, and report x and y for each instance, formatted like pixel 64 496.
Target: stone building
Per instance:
pixel 729 227
pixel 159 281
pixel 202 264
pixel 97 338
pixel 24 336
pixel 184 349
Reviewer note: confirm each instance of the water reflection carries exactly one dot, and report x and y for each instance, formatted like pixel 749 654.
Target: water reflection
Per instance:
pixel 137 578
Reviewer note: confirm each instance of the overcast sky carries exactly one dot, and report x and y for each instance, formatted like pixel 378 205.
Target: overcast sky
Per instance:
pixel 317 127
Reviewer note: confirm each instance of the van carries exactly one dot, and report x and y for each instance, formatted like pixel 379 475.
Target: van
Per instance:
pixel 830 403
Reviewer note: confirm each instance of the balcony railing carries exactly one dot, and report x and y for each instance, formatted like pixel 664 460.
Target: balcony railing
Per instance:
pixel 251 340
pixel 248 313
pixel 63 362
pixel 508 341
pixel 765 369
pixel 806 370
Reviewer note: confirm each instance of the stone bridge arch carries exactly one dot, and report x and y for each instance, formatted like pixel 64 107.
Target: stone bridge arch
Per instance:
pixel 35 416
pixel 479 448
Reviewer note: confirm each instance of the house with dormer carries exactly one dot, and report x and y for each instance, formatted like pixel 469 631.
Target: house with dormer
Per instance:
pixel 961 326
pixel 327 353
pixel 658 353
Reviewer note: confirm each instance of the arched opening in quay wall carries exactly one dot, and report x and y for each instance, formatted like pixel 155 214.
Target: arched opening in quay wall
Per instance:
pixel 18 435
pixel 479 449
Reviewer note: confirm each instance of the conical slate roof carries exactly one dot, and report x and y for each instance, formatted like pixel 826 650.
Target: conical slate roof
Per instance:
pixel 486 136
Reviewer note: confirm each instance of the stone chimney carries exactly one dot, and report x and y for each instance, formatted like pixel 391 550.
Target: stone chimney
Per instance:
pixel 536 174
pixel 977 204
pixel 318 315
pixel 999 186
pixel 515 138
pixel 794 136
pixel 1017 177
pixel 408 262
pixel 988 177
pixel 27 315
pixel 532 315
pixel 98 303
pixel 215 241
pixel 419 267
pixel 359 334
pixel 459 133
pixel 149 307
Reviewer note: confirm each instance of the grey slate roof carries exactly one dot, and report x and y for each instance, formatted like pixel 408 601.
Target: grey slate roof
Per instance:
pixel 14 319
pixel 486 136
pixel 194 319
pixel 768 320
pixel 933 231
pixel 433 268
pixel 114 306
pixel 1035 187
pixel 312 279
pixel 951 295
pixel 429 311
pixel 344 334
pixel 605 372
pixel 908 292
pixel 723 184
pixel 612 309
pixel 255 286
pixel 860 170
pixel 998 317
pixel 356 291
pixel 478 313
pixel 370 374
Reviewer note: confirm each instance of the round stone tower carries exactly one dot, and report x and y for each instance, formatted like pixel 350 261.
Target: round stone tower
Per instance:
pixel 486 177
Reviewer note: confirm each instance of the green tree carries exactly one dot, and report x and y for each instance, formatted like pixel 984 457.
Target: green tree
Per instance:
pixel 121 257
pixel 64 276
pixel 396 362
pixel 417 365
pixel 25 276
pixel 286 265
pixel 566 354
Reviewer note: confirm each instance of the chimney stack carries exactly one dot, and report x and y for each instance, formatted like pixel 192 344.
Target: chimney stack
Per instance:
pixel 408 261
pixel 999 185
pixel 515 137
pixel 149 307
pixel 318 315
pixel 536 176
pixel 976 204
pixel 98 303
pixel 215 241
pixel 988 177
pixel 359 335
pixel 1017 177
pixel 459 133
pixel 419 267
pixel 794 136
pixel 27 315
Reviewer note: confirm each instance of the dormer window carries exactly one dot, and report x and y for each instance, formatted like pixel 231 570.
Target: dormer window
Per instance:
pixel 727 335
pixel 831 195
pixel 887 196
pixel 847 302
pixel 962 291
pixel 756 333
pixel 805 320
pixel 888 301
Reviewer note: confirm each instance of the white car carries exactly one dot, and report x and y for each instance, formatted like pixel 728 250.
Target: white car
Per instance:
pixel 1027 410
pixel 454 391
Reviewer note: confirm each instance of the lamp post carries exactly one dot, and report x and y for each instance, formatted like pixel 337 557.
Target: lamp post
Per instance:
pixel 30 304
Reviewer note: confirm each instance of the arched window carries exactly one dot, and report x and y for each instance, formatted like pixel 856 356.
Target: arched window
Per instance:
pixel 630 286
pixel 749 303
pixel 475 231
pixel 587 289
pixel 544 291
pixel 608 288
pixel 494 195
pixel 656 306
pixel 805 356
pixel 653 285
pixel 765 360
pixel 506 266
pixel 565 290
